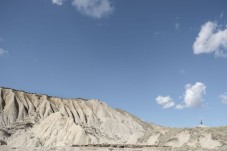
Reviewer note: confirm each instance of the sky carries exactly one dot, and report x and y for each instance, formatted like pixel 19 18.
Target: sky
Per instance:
pixel 163 61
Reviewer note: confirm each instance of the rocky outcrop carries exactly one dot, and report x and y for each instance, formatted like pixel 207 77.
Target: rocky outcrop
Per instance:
pixel 33 120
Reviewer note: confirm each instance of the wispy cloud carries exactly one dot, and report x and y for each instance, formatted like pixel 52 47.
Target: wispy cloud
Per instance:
pixel 92 8
pixel 221 15
pixel 177 26
pixel 212 38
pixel 193 97
pixel 158 34
pixel 179 107
pixel 182 71
pixel 58 2
pixel 165 101
pixel 223 98
pixel 3 52
pixel 177 23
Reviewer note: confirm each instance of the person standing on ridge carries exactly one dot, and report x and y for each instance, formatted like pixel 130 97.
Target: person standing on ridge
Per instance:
pixel 201 122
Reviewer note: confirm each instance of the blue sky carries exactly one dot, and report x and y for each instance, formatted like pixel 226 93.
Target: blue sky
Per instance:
pixel 163 61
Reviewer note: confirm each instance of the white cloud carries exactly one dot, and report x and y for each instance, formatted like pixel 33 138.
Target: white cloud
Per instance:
pixel 193 97
pixel 223 98
pixel 194 94
pixel 3 52
pixel 165 101
pixel 211 39
pixel 58 2
pixel 93 8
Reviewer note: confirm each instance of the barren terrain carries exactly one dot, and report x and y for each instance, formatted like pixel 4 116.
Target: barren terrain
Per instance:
pixel 31 121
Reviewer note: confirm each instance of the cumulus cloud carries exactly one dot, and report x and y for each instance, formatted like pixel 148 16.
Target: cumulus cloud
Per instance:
pixel 212 38
pixel 194 94
pixel 165 101
pixel 58 2
pixel 223 98
pixel 3 52
pixel 193 97
pixel 93 8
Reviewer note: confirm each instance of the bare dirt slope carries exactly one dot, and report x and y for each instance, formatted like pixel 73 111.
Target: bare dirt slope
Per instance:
pixel 36 121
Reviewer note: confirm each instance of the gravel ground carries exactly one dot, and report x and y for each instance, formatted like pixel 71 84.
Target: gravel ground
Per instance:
pixel 7 148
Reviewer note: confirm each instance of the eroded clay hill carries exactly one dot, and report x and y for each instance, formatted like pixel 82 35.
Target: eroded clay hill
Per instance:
pixel 33 120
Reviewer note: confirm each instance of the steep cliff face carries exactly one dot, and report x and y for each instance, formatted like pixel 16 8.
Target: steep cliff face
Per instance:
pixel 33 120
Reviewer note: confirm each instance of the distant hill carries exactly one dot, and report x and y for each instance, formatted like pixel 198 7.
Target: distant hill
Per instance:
pixel 34 120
